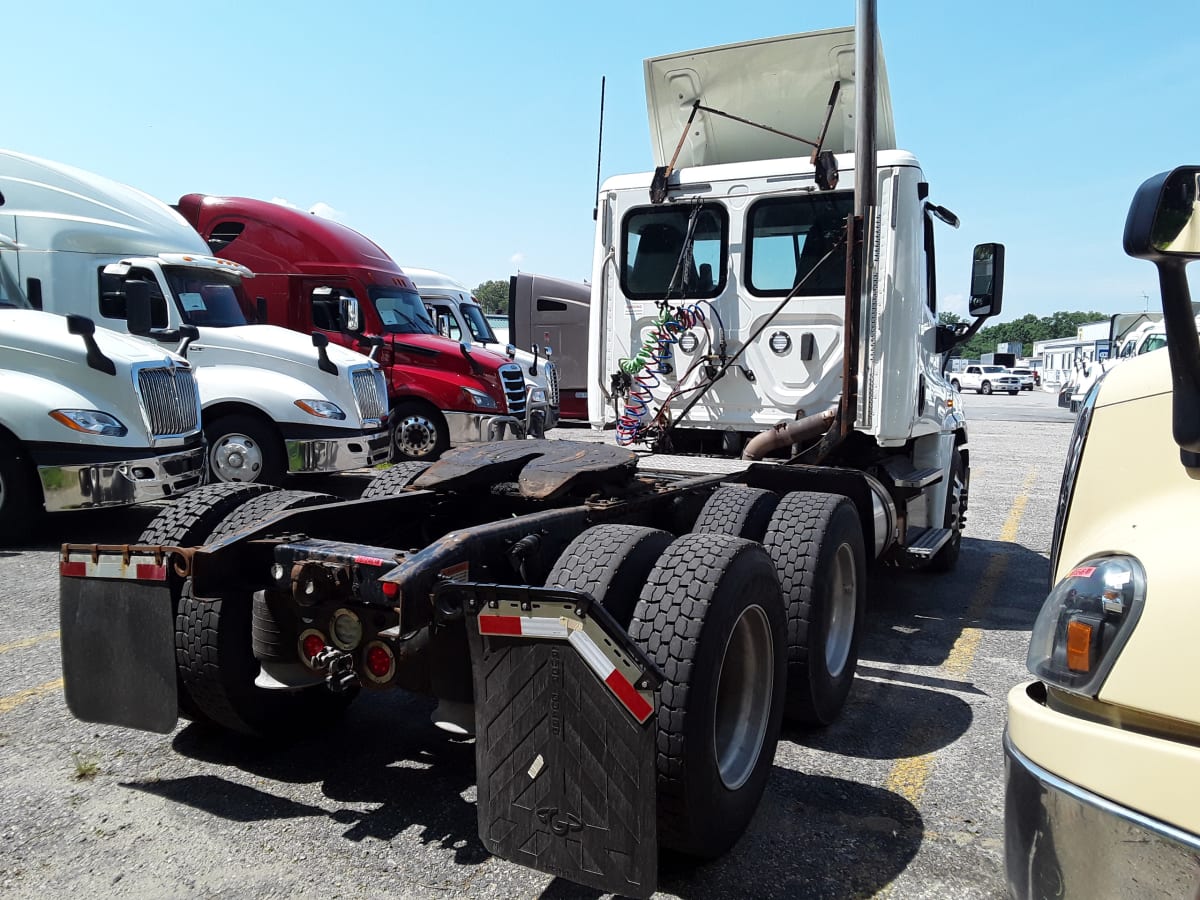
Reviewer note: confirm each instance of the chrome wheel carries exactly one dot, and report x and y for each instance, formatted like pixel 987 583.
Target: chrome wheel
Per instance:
pixel 744 681
pixel 843 602
pixel 416 435
pixel 236 457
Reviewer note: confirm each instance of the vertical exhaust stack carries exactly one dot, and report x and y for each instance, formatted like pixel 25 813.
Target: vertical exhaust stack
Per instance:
pixel 861 231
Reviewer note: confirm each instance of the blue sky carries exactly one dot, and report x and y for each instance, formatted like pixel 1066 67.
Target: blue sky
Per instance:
pixel 462 137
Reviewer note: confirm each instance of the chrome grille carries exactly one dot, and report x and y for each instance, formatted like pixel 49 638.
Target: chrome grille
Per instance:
pixel 513 383
pixel 552 383
pixel 369 393
pixel 170 399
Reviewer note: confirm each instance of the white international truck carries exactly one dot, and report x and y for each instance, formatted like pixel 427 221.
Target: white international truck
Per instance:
pixel 88 418
pixel 273 403
pixel 457 315
pixel 623 633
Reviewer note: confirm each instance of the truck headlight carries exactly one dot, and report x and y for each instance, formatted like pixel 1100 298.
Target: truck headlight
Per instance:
pixel 90 421
pixel 480 399
pixel 537 395
pixel 1085 622
pixel 322 409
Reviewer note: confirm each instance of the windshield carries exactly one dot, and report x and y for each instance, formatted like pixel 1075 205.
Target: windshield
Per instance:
pixel 481 329
pixel 401 311
pixel 207 297
pixel 1153 342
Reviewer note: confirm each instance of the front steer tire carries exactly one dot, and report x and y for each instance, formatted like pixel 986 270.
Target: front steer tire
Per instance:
pixel 711 617
pixel 816 543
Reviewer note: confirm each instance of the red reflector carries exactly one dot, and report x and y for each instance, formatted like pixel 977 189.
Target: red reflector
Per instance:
pixel 313 644
pixel 379 661
pixel 634 702
pixel 151 572
pixel 390 589
pixel 500 625
pixel 370 561
pixel 73 569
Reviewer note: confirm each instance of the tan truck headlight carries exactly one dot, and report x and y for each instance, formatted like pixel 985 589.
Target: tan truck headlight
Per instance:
pixel 1085 622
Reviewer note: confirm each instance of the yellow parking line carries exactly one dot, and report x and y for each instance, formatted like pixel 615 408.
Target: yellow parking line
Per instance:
pixel 28 642
pixel 12 701
pixel 909 775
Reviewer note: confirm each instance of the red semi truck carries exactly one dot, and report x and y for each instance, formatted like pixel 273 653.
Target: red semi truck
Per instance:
pixel 315 275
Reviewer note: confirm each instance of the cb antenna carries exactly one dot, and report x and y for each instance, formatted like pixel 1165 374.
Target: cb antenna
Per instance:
pixel 599 150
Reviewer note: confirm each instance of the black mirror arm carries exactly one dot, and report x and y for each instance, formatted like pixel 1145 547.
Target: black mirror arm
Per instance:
pixel 187 334
pixel 950 336
pixel 324 363
pixel 1183 350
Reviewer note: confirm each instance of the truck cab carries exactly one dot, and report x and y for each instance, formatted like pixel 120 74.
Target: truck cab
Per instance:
pixel 459 317
pixel 88 418
pixel 1102 757
pixel 554 312
pixel 316 275
pixel 274 402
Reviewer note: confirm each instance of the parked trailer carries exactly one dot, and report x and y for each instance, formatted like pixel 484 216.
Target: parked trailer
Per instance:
pixel 623 635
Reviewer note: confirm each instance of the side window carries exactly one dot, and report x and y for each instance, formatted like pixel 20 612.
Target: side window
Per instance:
pixel 788 239
pixel 930 266
pixel 973 370
pixel 447 324
pixel 8 293
pixel 659 260
pixel 223 234
pixel 112 296
pixel 326 308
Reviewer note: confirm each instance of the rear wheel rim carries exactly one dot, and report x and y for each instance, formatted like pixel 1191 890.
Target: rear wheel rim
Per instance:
pixel 843 606
pixel 416 436
pixel 744 681
pixel 236 457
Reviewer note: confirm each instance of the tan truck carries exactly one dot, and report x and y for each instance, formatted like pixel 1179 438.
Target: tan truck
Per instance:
pixel 1103 749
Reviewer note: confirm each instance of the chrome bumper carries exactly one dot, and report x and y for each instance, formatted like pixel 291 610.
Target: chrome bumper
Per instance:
pixel 310 455
pixel 90 486
pixel 474 428
pixel 1065 842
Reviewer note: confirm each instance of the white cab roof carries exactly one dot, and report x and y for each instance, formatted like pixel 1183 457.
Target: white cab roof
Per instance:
pixel 783 82
pixel 60 207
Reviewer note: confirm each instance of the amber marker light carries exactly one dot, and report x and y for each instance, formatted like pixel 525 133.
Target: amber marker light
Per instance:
pixel 1079 645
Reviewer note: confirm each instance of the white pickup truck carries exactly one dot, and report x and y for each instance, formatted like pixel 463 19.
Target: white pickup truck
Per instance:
pixel 986 379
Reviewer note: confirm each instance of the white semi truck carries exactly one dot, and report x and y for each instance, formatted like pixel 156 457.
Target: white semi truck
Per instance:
pixel 457 315
pixel 88 418
pixel 624 634
pixel 273 402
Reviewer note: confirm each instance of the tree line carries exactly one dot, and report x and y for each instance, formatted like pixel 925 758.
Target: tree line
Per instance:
pixel 493 295
pixel 1027 329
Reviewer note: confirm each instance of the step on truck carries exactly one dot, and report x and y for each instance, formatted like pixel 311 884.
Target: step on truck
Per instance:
pixel 622 633
pixel 457 315
pixel 314 274
pixel 274 402
pixel 88 418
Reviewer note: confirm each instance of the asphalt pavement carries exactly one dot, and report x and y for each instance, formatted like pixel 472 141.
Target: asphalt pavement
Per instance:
pixel 902 797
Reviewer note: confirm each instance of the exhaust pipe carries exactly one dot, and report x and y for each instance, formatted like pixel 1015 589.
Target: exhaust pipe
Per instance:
pixel 787 433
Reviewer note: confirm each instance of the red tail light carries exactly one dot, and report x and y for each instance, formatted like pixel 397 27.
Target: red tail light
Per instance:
pixel 379 661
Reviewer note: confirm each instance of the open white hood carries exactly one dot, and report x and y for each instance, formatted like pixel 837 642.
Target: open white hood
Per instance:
pixel 783 82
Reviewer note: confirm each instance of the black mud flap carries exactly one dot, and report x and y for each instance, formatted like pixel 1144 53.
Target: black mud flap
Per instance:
pixel 566 724
pixel 118 652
